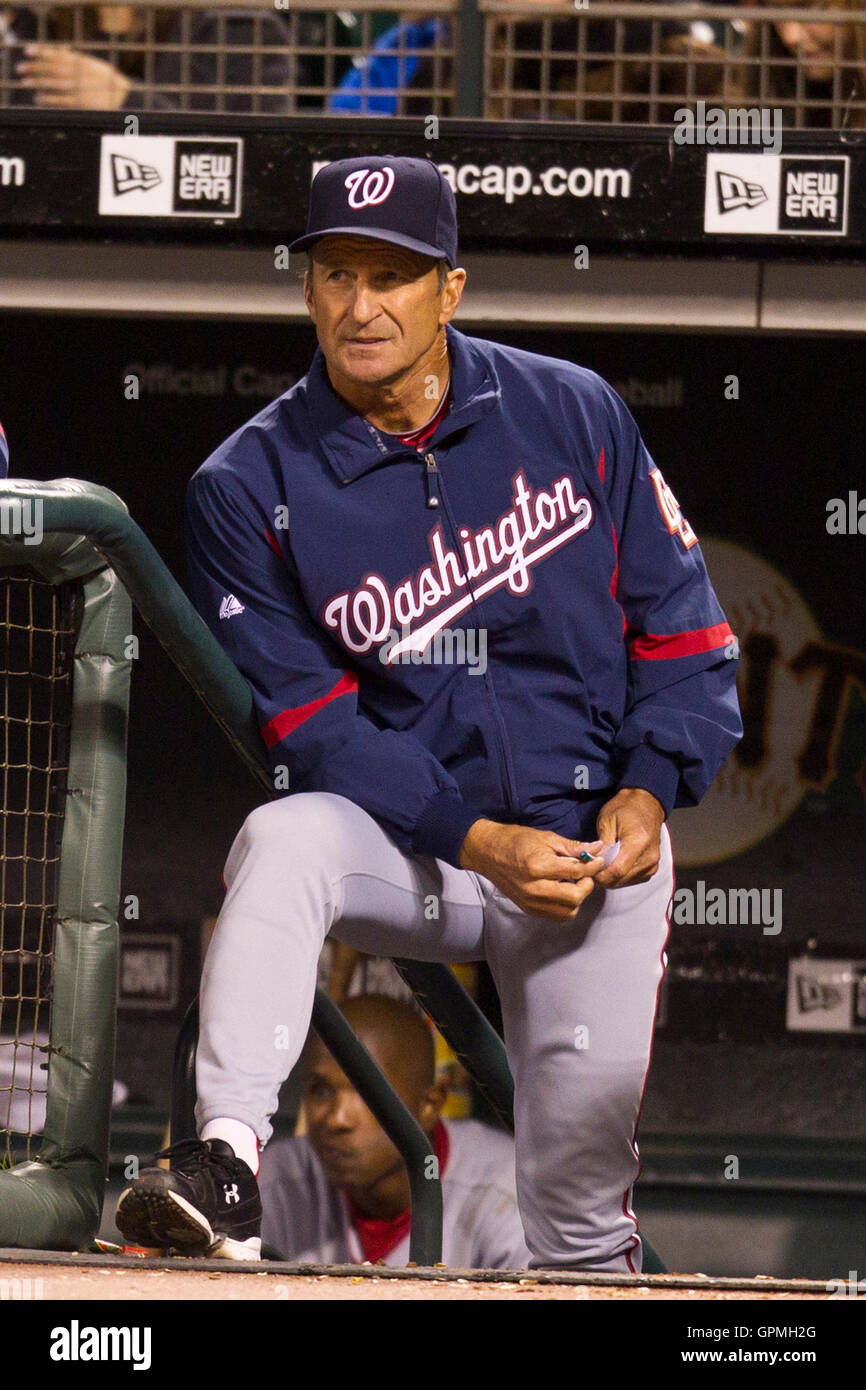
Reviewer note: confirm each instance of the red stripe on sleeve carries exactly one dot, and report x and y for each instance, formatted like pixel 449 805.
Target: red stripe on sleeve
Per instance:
pixel 614 579
pixel 289 719
pixel 651 646
pixel 601 465
pixel 273 543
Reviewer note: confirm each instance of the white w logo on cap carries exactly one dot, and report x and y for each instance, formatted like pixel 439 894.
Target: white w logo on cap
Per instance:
pixel 369 186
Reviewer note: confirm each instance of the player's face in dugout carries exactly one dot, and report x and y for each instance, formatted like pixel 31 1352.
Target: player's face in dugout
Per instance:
pixel 377 308
pixel 352 1147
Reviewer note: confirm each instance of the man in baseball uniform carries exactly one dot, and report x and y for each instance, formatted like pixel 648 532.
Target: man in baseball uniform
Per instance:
pixel 481 643
pixel 339 1193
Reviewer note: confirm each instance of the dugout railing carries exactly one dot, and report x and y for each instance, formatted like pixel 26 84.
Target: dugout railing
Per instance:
pixel 54 1199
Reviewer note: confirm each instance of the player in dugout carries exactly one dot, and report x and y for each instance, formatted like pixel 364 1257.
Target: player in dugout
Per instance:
pixel 487 661
pixel 339 1194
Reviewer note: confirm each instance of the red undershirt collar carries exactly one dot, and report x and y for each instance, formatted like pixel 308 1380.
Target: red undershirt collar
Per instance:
pixel 423 433
pixel 379 1238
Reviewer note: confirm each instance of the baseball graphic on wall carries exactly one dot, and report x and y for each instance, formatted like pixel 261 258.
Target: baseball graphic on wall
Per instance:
pixel 760 785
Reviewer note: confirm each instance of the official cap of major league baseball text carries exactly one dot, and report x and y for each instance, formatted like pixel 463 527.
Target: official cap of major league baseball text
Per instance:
pixel 387 198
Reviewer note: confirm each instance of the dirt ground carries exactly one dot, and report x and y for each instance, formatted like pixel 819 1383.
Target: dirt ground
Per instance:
pixel 103 1281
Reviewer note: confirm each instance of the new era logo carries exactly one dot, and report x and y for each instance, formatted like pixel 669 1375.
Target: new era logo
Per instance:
pixel 170 176
pixel 230 607
pixel 776 195
pixel 734 192
pixel 814 194
pixel 206 174
pixel 127 174
pixel 815 994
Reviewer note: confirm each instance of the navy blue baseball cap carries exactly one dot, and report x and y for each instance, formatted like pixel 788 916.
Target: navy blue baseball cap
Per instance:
pixel 387 198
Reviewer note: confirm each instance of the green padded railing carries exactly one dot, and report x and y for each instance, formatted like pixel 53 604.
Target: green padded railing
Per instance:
pixel 55 1201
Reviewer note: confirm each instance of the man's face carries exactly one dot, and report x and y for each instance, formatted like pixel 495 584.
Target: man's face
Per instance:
pixel 353 1149
pixel 814 44
pixel 377 308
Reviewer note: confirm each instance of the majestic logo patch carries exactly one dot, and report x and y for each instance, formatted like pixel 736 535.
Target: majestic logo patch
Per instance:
pixel 230 607
pixel 501 555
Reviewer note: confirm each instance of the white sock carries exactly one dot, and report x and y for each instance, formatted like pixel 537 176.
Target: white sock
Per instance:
pixel 243 1140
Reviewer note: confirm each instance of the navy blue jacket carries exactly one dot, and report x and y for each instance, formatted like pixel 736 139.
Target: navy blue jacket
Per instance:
pixel 343 594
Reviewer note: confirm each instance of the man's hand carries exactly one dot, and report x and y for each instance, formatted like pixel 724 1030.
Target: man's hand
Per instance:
pixel 537 869
pixel 60 76
pixel 635 818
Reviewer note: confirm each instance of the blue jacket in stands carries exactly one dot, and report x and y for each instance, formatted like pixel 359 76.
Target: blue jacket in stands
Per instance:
pixel 374 86
pixel 511 623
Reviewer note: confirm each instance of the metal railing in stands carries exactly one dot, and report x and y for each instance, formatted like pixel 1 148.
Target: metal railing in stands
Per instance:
pixel 634 62
pixel 605 62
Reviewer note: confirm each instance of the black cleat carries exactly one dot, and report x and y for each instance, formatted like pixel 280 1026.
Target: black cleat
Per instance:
pixel 207 1203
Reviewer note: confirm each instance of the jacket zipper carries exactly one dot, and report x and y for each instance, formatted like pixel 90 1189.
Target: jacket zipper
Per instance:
pixel 432 476
pixel 435 493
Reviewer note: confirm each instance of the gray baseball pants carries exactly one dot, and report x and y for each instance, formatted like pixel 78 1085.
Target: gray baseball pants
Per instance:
pixel 578 1001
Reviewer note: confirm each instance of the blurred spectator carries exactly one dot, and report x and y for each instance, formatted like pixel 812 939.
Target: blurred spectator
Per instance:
pixel 399 62
pixel 4 453
pixel 330 38
pixel 541 62
pixel 831 59
pixel 109 76
pixel 340 1193
pixel 536 71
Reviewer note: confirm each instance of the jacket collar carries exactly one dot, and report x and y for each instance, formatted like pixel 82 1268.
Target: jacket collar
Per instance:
pixel 353 446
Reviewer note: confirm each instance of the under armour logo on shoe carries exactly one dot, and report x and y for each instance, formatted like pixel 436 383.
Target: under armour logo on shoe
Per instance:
pixel 232 1194
pixel 230 607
